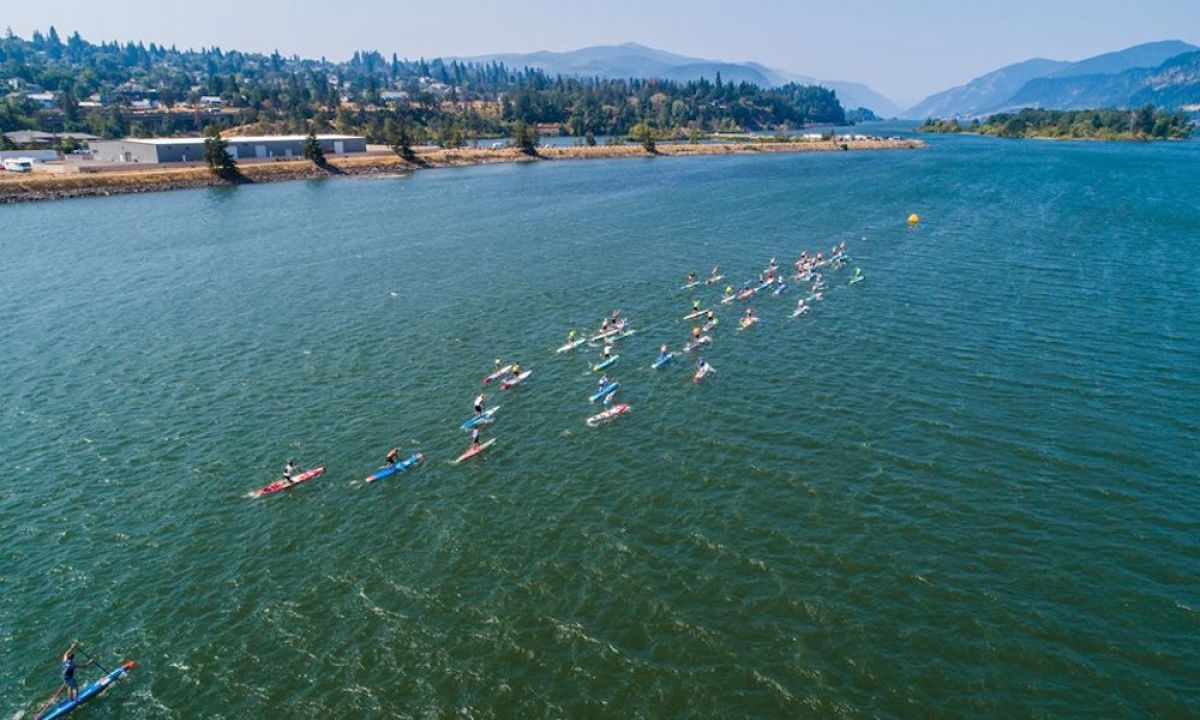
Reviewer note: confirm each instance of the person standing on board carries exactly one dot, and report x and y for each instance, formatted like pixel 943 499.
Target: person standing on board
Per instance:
pixel 475 438
pixel 68 672
pixel 479 404
pixel 288 470
pixel 392 456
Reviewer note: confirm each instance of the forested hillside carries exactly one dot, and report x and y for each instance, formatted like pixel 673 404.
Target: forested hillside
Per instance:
pixel 112 90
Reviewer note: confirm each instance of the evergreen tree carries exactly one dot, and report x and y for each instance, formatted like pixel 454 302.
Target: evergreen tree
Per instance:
pixel 216 153
pixel 399 138
pixel 525 138
pixel 313 151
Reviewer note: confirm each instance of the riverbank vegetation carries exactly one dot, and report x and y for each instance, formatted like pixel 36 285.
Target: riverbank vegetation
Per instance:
pixel 1144 123
pixel 133 89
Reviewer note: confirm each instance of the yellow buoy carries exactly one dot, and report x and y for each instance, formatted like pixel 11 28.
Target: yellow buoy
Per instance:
pixel 913 219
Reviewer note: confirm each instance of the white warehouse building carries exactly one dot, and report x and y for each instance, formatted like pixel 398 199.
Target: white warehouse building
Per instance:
pixel 168 150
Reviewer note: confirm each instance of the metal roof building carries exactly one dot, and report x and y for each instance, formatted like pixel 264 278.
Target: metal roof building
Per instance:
pixel 37 137
pixel 168 150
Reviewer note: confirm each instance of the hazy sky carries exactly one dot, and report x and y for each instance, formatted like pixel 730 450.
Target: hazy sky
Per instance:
pixel 905 50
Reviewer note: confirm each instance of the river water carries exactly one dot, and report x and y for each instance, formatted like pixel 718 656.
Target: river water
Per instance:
pixel 965 487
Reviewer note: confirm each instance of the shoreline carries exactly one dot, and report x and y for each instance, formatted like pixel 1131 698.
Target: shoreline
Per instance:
pixel 1114 138
pixel 123 180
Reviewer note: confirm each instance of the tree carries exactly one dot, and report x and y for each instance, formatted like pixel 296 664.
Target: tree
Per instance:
pixel 646 135
pixel 345 120
pixel 216 153
pixel 70 107
pixel 1144 120
pixel 313 151
pixel 525 138
pixel 399 138
pixel 451 136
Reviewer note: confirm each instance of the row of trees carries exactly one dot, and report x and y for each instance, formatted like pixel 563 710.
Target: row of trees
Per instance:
pixel 1144 123
pixel 445 102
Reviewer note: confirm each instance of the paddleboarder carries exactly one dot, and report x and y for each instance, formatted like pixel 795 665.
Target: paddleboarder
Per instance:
pixel 68 672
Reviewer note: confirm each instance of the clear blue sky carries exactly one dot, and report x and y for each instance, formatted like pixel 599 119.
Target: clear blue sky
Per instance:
pixel 904 50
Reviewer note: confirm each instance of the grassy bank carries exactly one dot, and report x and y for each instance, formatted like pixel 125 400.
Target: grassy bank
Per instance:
pixel 30 187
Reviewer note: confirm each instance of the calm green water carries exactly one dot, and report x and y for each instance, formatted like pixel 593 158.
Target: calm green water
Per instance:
pixel 966 487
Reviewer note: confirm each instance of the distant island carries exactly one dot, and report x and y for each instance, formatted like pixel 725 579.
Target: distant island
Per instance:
pixel 1144 123
pixel 860 115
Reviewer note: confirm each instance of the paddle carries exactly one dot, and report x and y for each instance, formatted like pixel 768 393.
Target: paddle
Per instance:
pixel 50 702
pixel 92 660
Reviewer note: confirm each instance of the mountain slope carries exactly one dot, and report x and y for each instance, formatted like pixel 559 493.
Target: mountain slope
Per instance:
pixel 1171 85
pixel 985 92
pixel 851 94
pixel 1105 80
pixel 1078 92
pixel 1175 84
pixel 631 60
pixel 1147 55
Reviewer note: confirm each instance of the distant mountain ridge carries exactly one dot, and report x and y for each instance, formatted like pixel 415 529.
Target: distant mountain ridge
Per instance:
pixel 985 92
pixel 629 60
pixel 1114 79
pixel 632 60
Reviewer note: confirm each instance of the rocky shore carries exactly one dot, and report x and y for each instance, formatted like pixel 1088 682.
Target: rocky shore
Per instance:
pixel 31 187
